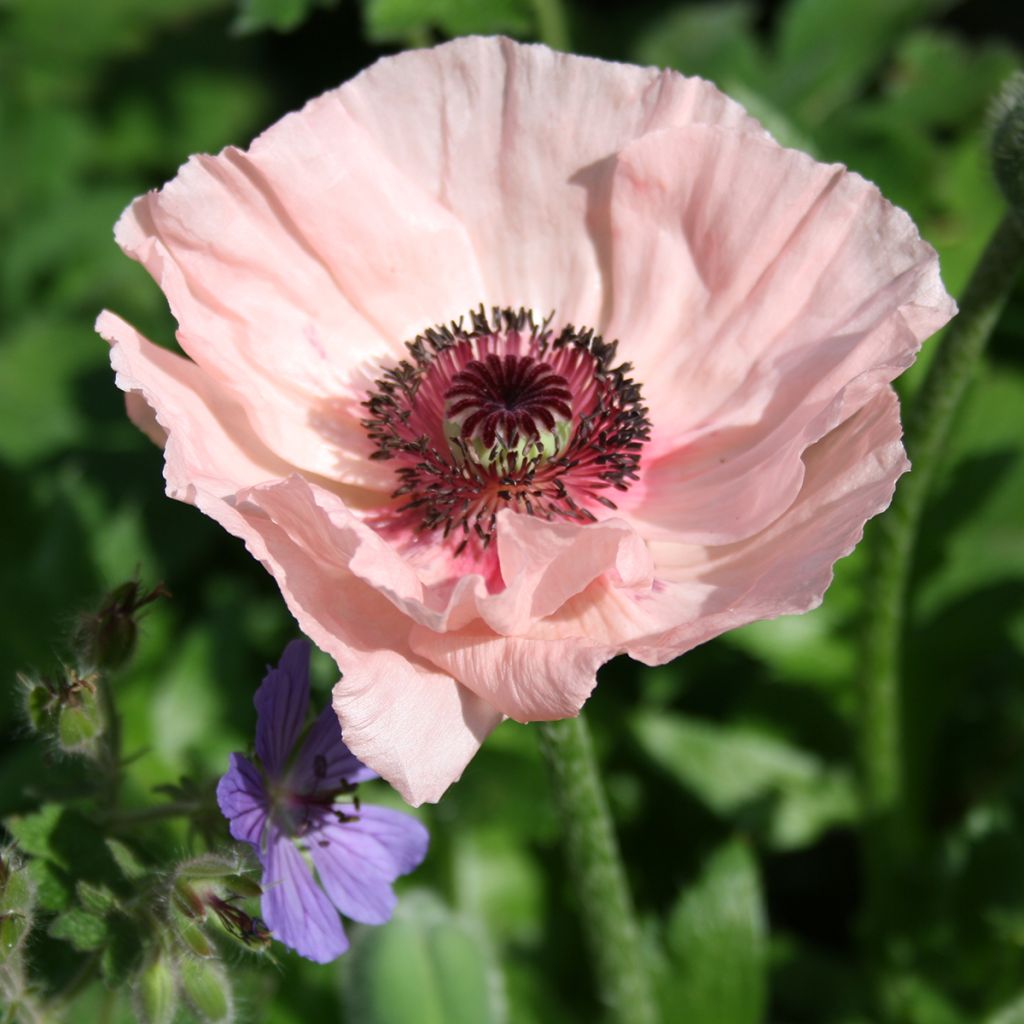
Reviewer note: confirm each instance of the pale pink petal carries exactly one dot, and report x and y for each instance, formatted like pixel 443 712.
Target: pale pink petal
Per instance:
pixel 413 724
pixel 751 285
pixel 294 274
pixel 701 592
pixel 212 443
pixel 545 563
pixel 212 455
pixel 511 138
pixel 528 680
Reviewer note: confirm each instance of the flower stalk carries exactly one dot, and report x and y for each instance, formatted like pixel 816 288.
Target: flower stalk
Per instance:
pixel 887 802
pixel 595 862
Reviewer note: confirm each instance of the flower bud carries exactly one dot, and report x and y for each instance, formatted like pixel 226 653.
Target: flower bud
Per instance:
pixel 108 638
pixel 156 993
pixel 17 900
pixel 66 708
pixel 208 990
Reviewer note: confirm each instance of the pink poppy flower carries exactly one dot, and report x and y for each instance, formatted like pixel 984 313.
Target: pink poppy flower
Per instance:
pixel 401 388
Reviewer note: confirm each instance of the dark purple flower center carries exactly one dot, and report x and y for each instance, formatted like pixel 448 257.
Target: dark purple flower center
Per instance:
pixel 505 398
pixel 505 414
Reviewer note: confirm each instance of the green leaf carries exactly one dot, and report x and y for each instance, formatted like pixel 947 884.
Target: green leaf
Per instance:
pixel 83 930
pixel 740 772
pixel 714 40
pixel 127 862
pixel 826 52
pixel 122 952
pixel 425 966
pixel 280 15
pixel 717 940
pixel 401 20
pixel 97 899
pixel 912 999
pixel 1011 1013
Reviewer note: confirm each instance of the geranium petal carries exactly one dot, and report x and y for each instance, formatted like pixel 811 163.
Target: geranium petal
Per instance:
pixel 282 703
pixel 324 760
pixel 357 861
pixel 242 799
pixel 294 907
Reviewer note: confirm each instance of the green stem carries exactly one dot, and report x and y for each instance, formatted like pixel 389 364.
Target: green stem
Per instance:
pixel 118 817
pixel 596 866
pixel 552 25
pixel 928 425
pixel 111 738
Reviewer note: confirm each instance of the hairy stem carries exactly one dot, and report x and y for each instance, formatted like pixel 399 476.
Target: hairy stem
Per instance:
pixel 595 864
pixel 928 424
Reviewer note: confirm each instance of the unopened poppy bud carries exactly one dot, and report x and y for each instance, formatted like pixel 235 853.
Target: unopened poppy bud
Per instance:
pixel 156 993
pixel 1008 141
pixel 17 900
pixel 108 638
pixel 208 990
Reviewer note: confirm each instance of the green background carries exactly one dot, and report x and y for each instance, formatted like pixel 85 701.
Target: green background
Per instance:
pixel 733 772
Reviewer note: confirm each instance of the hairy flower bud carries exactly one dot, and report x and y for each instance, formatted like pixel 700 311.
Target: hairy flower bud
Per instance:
pixel 66 708
pixel 107 639
pixel 1008 141
pixel 156 992
pixel 208 990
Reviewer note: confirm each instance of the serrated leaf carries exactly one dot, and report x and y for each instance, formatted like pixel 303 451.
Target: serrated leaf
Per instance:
pixel 83 930
pixel 128 863
pixel 717 940
pixel 426 966
pixel 97 899
pixel 54 888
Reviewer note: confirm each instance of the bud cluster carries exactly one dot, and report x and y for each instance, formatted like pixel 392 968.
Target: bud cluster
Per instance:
pixel 202 906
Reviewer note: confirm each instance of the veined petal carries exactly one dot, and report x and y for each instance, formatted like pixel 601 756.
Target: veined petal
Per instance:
pixel 294 907
pixel 282 703
pixel 243 800
pixel 357 861
pixel 324 760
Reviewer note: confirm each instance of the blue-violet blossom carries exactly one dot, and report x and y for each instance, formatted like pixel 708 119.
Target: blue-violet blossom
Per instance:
pixel 320 856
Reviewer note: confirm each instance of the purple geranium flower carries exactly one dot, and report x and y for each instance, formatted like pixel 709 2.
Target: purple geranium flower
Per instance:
pixel 292 815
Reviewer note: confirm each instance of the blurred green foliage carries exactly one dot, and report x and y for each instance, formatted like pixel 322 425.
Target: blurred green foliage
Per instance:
pixel 732 772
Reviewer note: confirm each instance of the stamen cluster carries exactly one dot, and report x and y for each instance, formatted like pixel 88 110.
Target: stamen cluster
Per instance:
pixel 505 414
